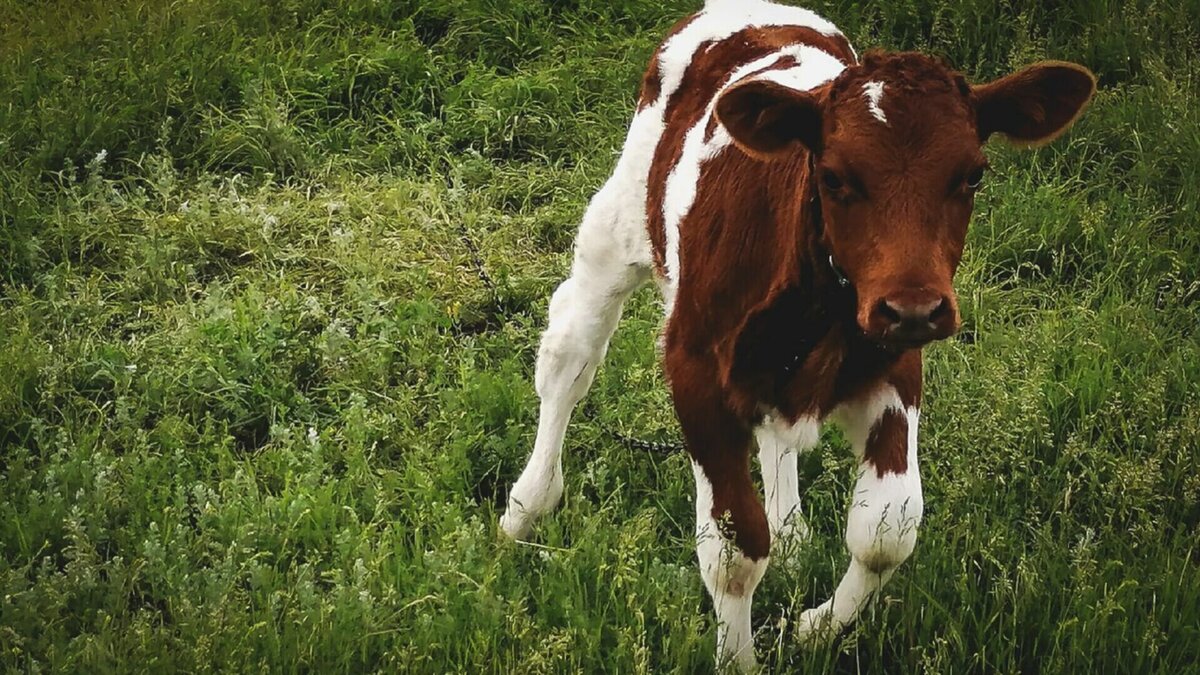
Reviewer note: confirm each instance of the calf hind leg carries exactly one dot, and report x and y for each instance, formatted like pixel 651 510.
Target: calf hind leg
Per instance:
pixel 610 263
pixel 779 447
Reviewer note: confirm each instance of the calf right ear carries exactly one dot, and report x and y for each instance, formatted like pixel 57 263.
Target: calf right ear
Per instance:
pixel 1033 106
pixel 767 119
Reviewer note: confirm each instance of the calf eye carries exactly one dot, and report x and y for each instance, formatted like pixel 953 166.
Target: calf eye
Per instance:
pixel 831 181
pixel 975 178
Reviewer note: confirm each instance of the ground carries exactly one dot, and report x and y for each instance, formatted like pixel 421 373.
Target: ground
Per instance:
pixel 271 282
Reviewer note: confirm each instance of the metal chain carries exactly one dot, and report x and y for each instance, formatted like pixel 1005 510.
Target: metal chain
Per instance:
pixel 640 444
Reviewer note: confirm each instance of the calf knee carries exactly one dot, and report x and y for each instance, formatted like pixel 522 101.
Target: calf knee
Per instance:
pixel 564 371
pixel 732 548
pixel 725 570
pixel 572 346
pixel 881 527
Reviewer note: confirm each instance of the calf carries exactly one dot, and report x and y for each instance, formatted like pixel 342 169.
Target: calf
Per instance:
pixel 803 213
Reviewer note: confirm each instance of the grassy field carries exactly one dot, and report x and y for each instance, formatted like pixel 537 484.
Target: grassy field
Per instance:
pixel 271 282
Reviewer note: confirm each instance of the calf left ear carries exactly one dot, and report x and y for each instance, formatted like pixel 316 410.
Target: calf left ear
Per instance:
pixel 1033 106
pixel 767 119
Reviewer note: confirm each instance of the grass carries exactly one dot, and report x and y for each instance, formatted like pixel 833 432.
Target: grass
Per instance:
pixel 273 276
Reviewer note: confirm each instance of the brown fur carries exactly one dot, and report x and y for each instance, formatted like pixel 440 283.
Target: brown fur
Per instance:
pixel 1036 105
pixel 887 447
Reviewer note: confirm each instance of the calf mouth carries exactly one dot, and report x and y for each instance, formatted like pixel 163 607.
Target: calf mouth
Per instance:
pixel 903 337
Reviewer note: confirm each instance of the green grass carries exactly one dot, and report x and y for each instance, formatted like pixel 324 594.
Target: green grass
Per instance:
pixel 261 403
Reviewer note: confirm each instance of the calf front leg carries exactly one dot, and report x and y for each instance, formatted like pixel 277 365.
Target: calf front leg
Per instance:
pixel 885 511
pixel 731 569
pixel 732 536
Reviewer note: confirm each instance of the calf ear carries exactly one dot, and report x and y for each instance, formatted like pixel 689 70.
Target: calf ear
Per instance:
pixel 767 119
pixel 1033 106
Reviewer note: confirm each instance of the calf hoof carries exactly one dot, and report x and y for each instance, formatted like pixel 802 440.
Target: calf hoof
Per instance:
pixel 514 526
pixel 531 498
pixel 736 659
pixel 817 628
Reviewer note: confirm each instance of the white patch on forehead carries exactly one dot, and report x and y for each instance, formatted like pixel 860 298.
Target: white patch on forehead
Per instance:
pixel 873 92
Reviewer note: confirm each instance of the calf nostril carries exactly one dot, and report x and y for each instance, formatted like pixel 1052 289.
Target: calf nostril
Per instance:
pixel 942 309
pixel 889 312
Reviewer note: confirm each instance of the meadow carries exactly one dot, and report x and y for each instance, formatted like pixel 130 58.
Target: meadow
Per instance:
pixel 272 277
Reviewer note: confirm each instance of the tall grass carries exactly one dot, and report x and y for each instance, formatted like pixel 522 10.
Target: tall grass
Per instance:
pixel 272 281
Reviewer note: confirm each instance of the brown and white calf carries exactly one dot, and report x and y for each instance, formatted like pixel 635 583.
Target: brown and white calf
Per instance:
pixel 803 213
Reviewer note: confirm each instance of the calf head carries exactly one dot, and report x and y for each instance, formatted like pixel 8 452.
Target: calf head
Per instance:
pixel 896 156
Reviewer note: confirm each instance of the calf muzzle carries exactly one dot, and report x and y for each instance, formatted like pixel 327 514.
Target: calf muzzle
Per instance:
pixel 913 318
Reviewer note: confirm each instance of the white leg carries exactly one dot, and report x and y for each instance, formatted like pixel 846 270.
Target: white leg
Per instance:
pixel 730 577
pixel 540 486
pixel 610 263
pixel 881 526
pixel 779 446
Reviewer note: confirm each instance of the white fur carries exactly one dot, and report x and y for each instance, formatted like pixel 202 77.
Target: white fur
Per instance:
pixel 612 258
pixel 779 445
pixel 873 92
pixel 881 526
pixel 730 578
pixel 858 418
pixel 816 67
